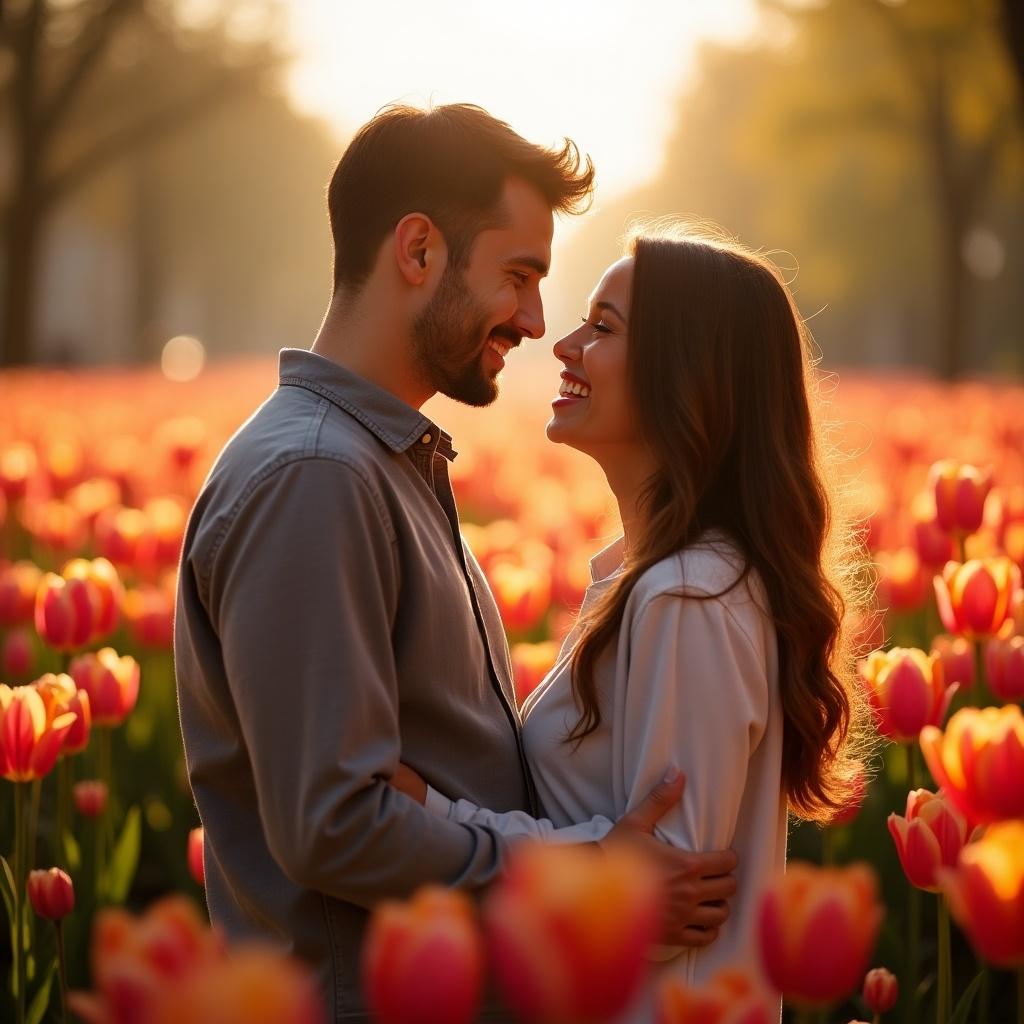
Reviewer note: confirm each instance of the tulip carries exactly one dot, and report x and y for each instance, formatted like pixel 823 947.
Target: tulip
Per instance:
pixel 120 535
pixel 979 762
pixel 1004 664
pixel 30 741
pixel 569 929
pixel 112 683
pixel 423 960
pixel 974 597
pixel 907 691
pixel 929 838
pixel 957 657
pixel 960 493
pixel 902 585
pixel 530 664
pixel 934 546
pixel 66 611
pixel 149 615
pixel 103 576
pixel 60 694
pixel 818 928
pixel 17 657
pixel 17 466
pixel 986 894
pixel 730 997
pixel 51 893
pixel 55 524
pixel 90 797
pixel 197 855
pixel 523 594
pixel 19 583
pixel 160 547
pixel 881 990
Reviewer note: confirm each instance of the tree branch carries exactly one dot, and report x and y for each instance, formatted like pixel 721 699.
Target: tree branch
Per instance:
pixel 95 37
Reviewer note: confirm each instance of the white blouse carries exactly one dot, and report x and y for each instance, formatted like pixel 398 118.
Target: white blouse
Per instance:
pixel 688 682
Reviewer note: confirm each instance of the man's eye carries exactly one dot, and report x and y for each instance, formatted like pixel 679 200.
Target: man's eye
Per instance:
pixel 520 276
pixel 603 328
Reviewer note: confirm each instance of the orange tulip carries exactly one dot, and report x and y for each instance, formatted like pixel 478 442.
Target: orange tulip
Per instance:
pixel 881 990
pixel 30 743
pixel 907 691
pixel 902 584
pixel 929 838
pixel 530 664
pixel 818 928
pixel 51 893
pixel 957 657
pixel 66 611
pixel 18 585
pixel 569 929
pixel 90 797
pixel 112 683
pixel 979 762
pixel 974 596
pixel 1004 665
pixel 17 466
pixel 986 894
pixel 423 960
pixel 103 576
pixel 196 855
pixel 60 695
pixel 960 493
pixel 730 997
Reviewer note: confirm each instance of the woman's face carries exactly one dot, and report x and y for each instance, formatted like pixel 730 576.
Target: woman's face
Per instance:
pixel 594 409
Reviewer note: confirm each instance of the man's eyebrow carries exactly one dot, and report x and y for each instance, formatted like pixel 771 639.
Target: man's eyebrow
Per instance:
pixel 530 261
pixel 612 307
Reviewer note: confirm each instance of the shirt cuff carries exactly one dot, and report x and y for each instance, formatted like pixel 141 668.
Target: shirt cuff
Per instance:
pixel 437 803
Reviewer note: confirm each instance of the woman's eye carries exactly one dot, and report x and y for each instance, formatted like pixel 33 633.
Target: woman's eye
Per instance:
pixel 603 328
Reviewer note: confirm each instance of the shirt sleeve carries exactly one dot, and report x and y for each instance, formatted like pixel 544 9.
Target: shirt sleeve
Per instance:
pixel 515 825
pixel 303 593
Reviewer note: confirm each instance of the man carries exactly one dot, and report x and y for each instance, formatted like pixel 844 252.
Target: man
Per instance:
pixel 330 620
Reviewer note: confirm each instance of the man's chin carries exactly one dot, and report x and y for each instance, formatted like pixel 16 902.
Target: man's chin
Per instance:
pixel 478 393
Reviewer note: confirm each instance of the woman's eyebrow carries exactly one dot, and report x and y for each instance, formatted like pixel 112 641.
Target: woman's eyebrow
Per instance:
pixel 612 307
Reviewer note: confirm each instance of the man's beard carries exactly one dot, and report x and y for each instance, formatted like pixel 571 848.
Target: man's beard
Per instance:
pixel 447 340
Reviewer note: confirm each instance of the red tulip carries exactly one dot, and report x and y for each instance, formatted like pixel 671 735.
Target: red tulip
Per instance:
pixel 974 597
pixel 881 990
pixel 51 893
pixel 1004 665
pixel 19 583
pixel 818 928
pixel 957 657
pixel 66 611
pixel 907 691
pixel 530 663
pixel 986 894
pixel 60 695
pixel 197 855
pixel 979 762
pixel 934 546
pixel 112 683
pixel 730 997
pixel 960 493
pixel 423 960
pixel 523 594
pixel 30 742
pixel 929 838
pixel 149 615
pixel 90 797
pixel 104 578
pixel 18 654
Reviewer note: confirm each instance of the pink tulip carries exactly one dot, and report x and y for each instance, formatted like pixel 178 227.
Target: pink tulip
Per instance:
pixel 929 838
pixel 960 493
pixel 957 657
pixel 907 691
pixel 51 893
pixel 1004 665
pixel 881 990
pixel 974 597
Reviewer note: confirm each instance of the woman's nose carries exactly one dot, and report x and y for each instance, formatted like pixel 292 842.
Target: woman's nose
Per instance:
pixel 567 348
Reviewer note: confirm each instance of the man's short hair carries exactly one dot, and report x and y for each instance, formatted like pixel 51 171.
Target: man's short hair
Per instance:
pixel 450 163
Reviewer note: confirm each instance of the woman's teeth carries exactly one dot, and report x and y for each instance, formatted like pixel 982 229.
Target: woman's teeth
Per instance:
pixel 572 387
pixel 501 347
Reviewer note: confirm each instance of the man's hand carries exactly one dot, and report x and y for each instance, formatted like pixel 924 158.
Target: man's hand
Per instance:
pixel 697 885
pixel 410 782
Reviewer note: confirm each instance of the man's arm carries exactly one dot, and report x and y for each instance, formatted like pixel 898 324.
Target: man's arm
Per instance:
pixel 302 594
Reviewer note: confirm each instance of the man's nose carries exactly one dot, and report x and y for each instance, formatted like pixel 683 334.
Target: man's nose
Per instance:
pixel 529 318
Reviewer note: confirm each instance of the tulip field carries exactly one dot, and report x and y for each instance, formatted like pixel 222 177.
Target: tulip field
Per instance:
pixel 908 907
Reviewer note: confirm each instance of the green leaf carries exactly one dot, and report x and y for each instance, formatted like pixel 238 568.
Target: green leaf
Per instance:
pixel 963 1008
pixel 124 861
pixel 7 878
pixel 41 1002
pixel 72 851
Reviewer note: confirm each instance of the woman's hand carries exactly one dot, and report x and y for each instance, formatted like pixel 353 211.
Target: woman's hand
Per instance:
pixel 410 783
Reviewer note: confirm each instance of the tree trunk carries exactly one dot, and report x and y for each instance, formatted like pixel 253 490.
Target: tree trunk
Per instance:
pixel 20 278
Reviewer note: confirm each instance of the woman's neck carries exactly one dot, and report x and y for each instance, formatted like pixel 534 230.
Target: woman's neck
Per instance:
pixel 627 476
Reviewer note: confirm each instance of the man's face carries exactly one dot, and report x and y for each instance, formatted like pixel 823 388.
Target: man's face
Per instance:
pixel 479 313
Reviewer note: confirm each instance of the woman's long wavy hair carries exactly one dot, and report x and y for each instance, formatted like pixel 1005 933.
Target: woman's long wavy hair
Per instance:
pixel 722 384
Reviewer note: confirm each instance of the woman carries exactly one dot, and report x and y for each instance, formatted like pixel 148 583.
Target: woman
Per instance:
pixel 712 634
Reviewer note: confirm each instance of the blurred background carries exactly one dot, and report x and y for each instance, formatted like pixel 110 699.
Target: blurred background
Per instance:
pixel 164 162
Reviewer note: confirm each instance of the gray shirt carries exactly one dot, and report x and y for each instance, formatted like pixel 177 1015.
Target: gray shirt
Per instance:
pixel 330 621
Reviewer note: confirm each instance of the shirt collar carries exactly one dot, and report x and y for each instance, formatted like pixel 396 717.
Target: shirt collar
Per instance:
pixel 397 424
pixel 608 560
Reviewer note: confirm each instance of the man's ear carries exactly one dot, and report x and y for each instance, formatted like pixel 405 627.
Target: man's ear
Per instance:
pixel 420 250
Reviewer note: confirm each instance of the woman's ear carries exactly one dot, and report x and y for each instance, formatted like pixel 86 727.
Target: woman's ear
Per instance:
pixel 420 250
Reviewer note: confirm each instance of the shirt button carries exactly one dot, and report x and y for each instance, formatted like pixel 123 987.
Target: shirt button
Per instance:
pixel 426 439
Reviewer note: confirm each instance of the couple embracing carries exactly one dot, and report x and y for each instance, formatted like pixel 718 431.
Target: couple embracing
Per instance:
pixel 343 678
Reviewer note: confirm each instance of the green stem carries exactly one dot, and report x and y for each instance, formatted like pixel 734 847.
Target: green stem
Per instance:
pixel 63 811
pixel 104 823
pixel 961 547
pixel 18 949
pixel 911 749
pixel 62 968
pixel 979 692
pixel 984 993
pixel 33 822
pixel 944 1000
pixel 913 946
